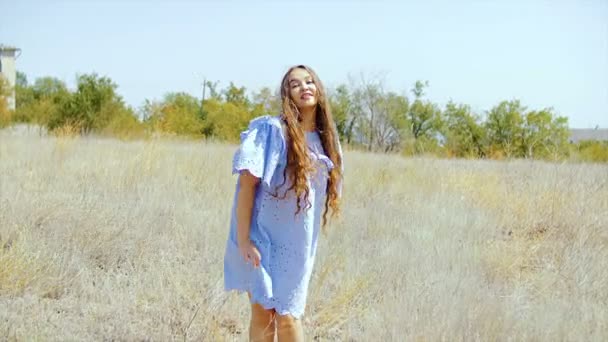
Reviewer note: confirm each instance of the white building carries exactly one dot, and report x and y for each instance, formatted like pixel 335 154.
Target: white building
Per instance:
pixel 580 134
pixel 8 54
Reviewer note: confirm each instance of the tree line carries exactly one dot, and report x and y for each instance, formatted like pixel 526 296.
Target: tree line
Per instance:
pixel 367 116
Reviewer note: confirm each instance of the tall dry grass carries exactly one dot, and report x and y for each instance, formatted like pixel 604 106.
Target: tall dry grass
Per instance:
pixel 109 240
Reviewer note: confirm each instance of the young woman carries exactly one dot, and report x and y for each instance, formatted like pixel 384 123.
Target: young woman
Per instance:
pixel 290 177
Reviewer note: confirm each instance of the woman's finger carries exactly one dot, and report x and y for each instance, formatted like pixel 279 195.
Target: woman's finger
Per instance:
pixel 257 257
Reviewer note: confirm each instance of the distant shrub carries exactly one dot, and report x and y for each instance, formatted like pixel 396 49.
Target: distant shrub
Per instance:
pixel 592 151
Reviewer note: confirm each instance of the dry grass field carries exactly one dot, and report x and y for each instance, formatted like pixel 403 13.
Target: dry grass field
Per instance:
pixel 102 239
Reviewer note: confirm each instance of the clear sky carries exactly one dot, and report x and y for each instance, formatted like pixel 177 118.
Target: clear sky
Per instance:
pixel 545 53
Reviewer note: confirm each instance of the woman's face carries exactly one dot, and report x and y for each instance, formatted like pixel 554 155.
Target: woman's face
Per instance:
pixel 302 89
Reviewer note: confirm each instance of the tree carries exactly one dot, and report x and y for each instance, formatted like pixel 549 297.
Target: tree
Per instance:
pixel 516 132
pixel 364 112
pixel 5 114
pixel 226 120
pixel 267 102
pixel 392 126
pixel 24 96
pixel 82 109
pixel 591 151
pixel 544 135
pixel 367 98
pixel 123 122
pixel 424 116
pixel 464 135
pixel 178 113
pixel 504 128
pixel 371 116
pixel 48 87
pixel 213 93
pixel 236 95
pixel 20 79
pixel 344 111
pixel 41 102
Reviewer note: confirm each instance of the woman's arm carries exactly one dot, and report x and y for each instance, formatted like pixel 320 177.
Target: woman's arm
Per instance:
pixel 244 207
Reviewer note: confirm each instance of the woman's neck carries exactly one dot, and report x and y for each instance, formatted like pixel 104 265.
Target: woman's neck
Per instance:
pixel 307 122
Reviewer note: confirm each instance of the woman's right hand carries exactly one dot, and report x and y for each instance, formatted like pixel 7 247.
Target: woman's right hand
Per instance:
pixel 250 253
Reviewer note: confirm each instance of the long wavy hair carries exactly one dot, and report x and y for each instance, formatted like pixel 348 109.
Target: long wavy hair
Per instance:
pixel 299 163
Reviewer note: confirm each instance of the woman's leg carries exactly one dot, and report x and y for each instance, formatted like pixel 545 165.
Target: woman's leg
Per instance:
pixel 261 327
pixel 289 329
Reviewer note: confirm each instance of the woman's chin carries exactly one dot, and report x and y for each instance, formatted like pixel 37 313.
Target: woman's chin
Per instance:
pixel 306 105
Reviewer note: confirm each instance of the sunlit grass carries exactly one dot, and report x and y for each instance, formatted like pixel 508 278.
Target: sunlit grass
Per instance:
pixel 103 239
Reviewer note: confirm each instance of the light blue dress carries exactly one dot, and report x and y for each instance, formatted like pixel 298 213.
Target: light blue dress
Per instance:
pixel 287 242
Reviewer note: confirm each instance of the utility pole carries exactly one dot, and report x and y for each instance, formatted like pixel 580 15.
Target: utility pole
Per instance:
pixel 204 86
pixel 203 100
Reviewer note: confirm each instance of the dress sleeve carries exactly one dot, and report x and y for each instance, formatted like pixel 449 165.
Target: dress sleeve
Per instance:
pixel 261 149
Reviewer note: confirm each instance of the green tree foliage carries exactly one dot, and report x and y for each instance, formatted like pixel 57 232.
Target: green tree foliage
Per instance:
pixel 93 106
pixel 93 95
pixel 464 135
pixel 544 135
pixel 123 123
pixel 504 127
pixel 178 113
pixel 344 112
pixel 20 79
pixel 515 132
pixel 591 151
pixel 41 102
pixel 228 120
pixel 392 131
pixel 425 121
pixel 374 115
pixel 366 115
pixel 424 116
pixel 212 87
pixel 265 101
pixel 228 111
pixel 5 114
pixel 236 95
pixel 222 115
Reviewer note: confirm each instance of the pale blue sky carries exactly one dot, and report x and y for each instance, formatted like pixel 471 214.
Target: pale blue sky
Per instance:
pixel 545 53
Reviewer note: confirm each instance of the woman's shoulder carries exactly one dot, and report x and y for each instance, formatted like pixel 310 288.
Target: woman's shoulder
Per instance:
pixel 266 121
pixel 273 124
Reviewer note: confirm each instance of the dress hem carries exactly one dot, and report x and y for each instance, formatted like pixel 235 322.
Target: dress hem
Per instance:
pixel 266 306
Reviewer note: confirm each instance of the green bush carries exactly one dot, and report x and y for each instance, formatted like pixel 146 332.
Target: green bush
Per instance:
pixel 591 151
pixel 5 113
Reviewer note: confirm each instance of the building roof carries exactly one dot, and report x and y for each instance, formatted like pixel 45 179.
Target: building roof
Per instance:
pixel 8 47
pixel 579 134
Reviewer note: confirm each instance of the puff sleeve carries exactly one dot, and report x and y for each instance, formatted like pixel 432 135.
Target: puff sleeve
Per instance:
pixel 261 150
